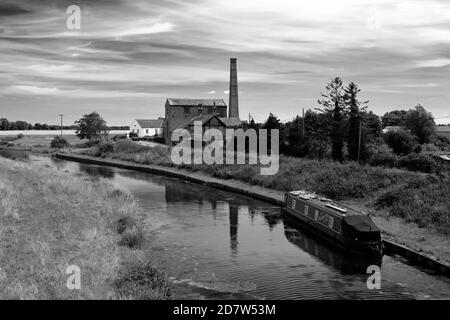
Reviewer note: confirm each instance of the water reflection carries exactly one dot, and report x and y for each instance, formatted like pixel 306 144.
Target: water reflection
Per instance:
pixel 234 221
pixel 97 171
pixel 345 262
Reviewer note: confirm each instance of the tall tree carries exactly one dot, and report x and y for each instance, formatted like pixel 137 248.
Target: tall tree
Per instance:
pixel 91 126
pixel 356 139
pixel 334 107
pixel 421 123
pixel 4 124
pixel 394 118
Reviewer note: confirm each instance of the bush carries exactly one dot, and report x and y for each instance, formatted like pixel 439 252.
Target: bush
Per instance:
pixel 424 201
pixel 15 155
pixel 133 135
pixel 443 143
pixel 59 142
pixel 105 147
pixel 419 162
pixel 133 237
pixel 143 281
pixel 401 142
pixel 125 223
pixel 381 155
pixel 20 136
pixel 119 137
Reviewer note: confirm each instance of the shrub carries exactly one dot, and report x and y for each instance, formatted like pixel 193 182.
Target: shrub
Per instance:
pixel 401 142
pixel 105 147
pixel 381 155
pixel 419 162
pixel 133 135
pixel 143 281
pixel 424 201
pixel 20 136
pixel 430 147
pixel 125 223
pixel 133 238
pixel 15 155
pixel 58 142
pixel 443 143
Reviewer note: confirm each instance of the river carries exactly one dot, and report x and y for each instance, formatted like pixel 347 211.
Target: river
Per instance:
pixel 218 245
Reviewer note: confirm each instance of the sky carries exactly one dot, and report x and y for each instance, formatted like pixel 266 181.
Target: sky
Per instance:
pixel 129 56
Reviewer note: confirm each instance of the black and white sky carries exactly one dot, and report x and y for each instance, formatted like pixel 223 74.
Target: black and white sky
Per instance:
pixel 130 55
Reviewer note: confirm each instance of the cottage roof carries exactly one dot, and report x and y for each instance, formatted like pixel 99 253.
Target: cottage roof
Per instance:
pixel 196 102
pixel 150 123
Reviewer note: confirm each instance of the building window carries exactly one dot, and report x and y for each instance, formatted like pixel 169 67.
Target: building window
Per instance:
pixel 186 109
pixel 146 131
pixel 137 131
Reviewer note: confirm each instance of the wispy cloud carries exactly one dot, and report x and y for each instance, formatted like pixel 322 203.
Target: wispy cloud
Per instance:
pixel 397 51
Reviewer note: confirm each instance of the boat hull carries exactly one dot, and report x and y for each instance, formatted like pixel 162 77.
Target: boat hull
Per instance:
pixel 333 237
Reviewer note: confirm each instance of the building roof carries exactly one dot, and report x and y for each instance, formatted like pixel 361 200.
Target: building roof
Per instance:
pixel 204 118
pixel 150 123
pixel 201 117
pixel 393 128
pixel 196 102
pixel 442 128
pixel 231 122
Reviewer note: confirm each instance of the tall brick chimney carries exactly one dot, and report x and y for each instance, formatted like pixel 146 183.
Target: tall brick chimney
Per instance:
pixel 233 105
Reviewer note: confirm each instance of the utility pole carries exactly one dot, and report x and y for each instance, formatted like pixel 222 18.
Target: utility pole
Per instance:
pixel 303 129
pixel 359 139
pixel 61 126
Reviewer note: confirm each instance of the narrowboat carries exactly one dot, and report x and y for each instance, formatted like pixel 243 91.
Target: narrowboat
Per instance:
pixel 346 228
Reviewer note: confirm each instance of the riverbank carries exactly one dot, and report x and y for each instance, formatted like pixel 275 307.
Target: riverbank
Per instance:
pixel 50 220
pixel 419 243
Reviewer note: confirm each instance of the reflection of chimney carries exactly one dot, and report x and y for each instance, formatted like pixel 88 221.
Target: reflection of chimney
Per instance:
pixel 233 105
pixel 234 221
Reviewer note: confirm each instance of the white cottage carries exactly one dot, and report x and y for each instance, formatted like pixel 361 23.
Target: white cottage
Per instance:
pixel 147 127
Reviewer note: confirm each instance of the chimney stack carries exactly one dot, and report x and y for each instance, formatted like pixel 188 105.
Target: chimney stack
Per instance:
pixel 233 105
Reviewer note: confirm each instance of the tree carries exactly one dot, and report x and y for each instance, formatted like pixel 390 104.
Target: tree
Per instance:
pixel 401 142
pixel 373 125
pixel 91 126
pixel 355 140
pixel 37 126
pixel 334 107
pixel 395 118
pixel 4 124
pixel 271 123
pixel 421 123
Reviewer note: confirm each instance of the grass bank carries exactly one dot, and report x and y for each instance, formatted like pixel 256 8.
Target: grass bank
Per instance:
pixel 50 220
pixel 420 198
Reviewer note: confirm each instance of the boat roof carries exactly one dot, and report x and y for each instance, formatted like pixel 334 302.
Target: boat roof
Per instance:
pixel 325 203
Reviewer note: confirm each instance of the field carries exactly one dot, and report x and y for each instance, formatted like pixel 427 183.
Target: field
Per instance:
pixel 50 220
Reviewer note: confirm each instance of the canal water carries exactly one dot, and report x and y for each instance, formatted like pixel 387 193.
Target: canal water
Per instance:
pixel 218 245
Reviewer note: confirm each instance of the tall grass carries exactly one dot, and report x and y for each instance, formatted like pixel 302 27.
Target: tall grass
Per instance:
pixel 51 219
pixel 15 154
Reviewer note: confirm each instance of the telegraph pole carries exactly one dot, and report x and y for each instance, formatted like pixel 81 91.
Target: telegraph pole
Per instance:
pixel 61 126
pixel 303 129
pixel 359 139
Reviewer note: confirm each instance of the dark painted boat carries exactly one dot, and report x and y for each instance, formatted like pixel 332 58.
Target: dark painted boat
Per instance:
pixel 351 230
